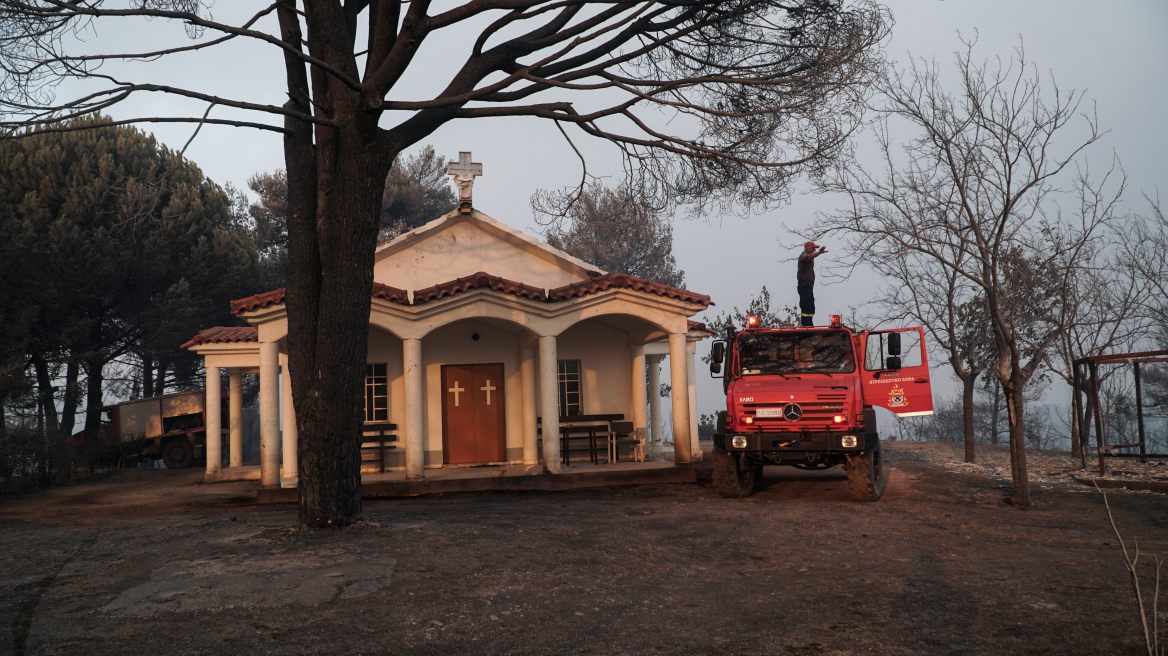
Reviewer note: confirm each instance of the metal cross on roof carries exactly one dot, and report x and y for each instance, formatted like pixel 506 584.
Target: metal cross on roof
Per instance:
pixel 464 172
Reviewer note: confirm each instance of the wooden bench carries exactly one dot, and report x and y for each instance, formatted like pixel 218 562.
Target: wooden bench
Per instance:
pixel 376 439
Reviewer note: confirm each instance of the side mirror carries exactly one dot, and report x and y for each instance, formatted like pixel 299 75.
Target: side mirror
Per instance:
pixel 717 353
pixel 894 347
pixel 893 362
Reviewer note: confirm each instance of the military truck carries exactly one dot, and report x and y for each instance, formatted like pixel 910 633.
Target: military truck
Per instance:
pixel 805 397
pixel 169 427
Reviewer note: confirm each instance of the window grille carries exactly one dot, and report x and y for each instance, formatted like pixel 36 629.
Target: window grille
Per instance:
pixel 376 393
pixel 571 402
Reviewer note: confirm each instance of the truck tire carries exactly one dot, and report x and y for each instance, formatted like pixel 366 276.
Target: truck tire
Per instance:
pixel 178 453
pixel 867 475
pixel 733 479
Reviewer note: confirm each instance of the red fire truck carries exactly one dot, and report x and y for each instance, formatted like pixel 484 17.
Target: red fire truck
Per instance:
pixel 806 397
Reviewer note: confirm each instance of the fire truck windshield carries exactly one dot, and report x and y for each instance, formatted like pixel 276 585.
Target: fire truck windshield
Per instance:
pixel 802 352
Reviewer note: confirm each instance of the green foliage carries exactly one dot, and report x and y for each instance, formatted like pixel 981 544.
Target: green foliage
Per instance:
pixel 17 314
pixel 760 306
pixel 268 227
pixel 417 191
pixel 125 251
pixel 615 229
pixel 707 426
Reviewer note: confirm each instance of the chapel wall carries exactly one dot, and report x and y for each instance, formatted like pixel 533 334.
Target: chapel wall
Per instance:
pixel 387 348
pixel 606 366
pixel 464 249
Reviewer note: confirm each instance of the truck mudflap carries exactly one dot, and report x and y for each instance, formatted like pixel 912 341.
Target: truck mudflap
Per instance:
pixel 796 442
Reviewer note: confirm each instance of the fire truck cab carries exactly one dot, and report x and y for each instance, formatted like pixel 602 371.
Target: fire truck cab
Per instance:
pixel 806 397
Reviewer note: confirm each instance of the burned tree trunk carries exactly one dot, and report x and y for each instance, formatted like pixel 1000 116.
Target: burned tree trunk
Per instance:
pixel 328 325
pixel 94 382
pixel 336 178
pixel 1012 391
pixel 69 398
pixel 47 396
pixel 996 413
pixel 967 383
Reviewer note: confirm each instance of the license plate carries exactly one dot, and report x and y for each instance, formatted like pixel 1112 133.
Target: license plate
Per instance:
pixel 769 412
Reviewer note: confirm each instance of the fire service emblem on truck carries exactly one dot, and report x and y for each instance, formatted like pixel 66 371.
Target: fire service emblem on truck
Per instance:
pixel 896 397
pixel 792 412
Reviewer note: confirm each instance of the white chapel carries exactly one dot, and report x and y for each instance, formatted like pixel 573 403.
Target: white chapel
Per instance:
pixel 481 340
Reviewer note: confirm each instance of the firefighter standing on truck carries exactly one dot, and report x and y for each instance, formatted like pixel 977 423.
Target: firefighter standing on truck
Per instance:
pixel 805 279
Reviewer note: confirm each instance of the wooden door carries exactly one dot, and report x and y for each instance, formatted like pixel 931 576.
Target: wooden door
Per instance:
pixel 473 423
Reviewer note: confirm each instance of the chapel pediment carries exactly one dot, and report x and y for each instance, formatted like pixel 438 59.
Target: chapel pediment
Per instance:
pixel 462 244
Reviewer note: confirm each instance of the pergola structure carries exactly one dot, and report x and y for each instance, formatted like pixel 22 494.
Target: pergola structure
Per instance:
pixel 1091 387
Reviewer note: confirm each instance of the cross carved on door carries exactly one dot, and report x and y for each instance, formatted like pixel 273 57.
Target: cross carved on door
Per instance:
pixel 488 388
pixel 457 389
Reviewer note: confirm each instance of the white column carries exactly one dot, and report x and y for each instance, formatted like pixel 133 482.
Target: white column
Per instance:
pixel 213 421
pixel 414 438
pixel 235 417
pixel 678 382
pixel 549 402
pixel 289 433
pixel 690 369
pixel 656 427
pixel 640 412
pixel 269 414
pixel 527 385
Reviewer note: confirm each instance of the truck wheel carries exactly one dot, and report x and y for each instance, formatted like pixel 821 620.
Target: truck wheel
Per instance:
pixel 733 479
pixel 867 475
pixel 178 454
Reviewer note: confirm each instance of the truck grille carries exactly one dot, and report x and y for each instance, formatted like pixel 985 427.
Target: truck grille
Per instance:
pixel 813 413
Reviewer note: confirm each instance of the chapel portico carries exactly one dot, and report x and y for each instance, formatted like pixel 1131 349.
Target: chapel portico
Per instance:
pixel 481 338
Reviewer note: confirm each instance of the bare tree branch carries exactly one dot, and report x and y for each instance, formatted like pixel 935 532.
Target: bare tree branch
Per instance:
pixel 710 103
pixel 970 197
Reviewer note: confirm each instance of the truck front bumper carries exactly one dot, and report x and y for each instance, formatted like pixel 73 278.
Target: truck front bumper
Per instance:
pixel 822 442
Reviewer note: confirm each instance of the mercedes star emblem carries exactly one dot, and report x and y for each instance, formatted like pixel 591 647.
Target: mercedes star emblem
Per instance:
pixel 792 412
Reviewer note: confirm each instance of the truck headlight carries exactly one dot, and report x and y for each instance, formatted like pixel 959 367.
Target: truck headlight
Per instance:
pixel 849 441
pixel 738 442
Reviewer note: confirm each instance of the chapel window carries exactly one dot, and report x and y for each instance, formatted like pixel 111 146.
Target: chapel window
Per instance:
pixel 376 392
pixel 570 398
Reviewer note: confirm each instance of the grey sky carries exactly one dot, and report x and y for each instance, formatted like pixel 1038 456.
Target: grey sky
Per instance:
pixel 1116 52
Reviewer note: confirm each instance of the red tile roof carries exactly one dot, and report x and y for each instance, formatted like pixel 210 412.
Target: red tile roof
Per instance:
pixel 258 301
pixel 483 280
pixel 224 335
pixel 391 294
pixel 276 297
pixel 698 325
pixel 480 280
pixel 622 281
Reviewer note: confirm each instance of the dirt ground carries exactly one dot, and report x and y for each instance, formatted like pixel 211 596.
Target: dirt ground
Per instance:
pixel 154 562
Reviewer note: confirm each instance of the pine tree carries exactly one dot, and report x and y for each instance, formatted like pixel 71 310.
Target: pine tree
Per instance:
pixel 131 252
